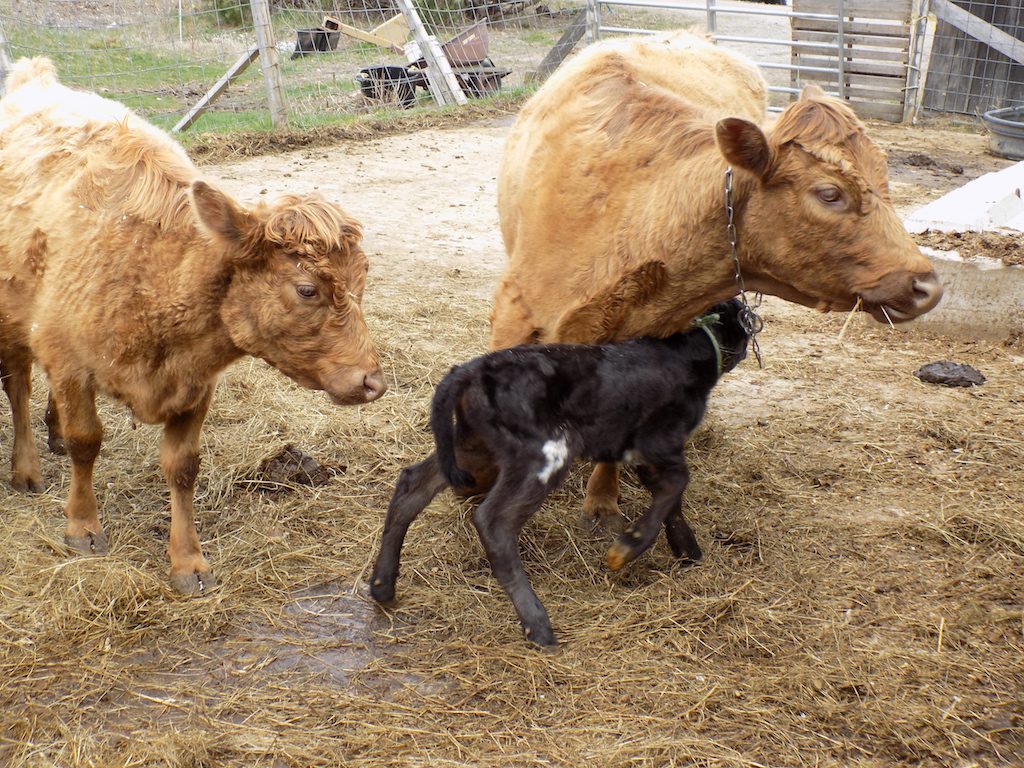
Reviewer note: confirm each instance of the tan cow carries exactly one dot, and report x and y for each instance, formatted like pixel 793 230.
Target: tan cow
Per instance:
pixel 612 204
pixel 121 271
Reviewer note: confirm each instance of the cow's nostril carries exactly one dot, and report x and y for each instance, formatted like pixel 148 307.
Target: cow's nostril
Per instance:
pixel 927 291
pixel 374 386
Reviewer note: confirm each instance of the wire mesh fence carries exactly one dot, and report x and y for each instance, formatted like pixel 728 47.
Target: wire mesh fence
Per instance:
pixel 976 60
pixel 338 58
pixel 160 57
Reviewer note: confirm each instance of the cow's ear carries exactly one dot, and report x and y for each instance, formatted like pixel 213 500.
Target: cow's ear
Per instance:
pixel 812 91
pixel 744 145
pixel 219 215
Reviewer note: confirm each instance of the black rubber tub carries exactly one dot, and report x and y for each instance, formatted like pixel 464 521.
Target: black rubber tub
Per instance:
pixel 1006 131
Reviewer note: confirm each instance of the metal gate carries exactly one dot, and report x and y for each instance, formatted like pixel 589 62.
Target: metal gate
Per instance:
pixel 862 51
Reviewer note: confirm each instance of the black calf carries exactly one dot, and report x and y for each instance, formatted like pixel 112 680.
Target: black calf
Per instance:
pixel 537 408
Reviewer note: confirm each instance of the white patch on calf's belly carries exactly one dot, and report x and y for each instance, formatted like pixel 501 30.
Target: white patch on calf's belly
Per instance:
pixel 556 452
pixel 632 457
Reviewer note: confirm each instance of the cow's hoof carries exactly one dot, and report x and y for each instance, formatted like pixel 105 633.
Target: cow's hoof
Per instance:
pixel 89 543
pixel 56 446
pixel 197 583
pixel 620 554
pixel 381 592
pixel 608 522
pixel 27 484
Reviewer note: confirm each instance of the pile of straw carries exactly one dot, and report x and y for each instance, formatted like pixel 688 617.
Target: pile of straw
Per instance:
pixel 860 601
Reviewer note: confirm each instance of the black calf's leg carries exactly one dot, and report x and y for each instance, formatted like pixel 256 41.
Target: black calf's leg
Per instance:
pixel 666 485
pixel 681 538
pixel 498 520
pixel 416 488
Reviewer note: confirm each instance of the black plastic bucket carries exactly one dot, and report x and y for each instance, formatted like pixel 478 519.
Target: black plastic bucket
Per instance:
pixel 1006 131
pixel 390 83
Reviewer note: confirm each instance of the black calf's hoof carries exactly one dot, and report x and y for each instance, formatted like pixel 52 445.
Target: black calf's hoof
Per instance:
pixel 541 636
pixel 381 592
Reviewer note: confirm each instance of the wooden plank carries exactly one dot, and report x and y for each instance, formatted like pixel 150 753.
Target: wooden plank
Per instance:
pixel 882 83
pixel 859 9
pixel 856 27
pixel 218 88
pixel 873 110
pixel 874 41
pixel 863 54
pixel 441 81
pixel 563 47
pixel 367 37
pixel 979 29
pixel 857 66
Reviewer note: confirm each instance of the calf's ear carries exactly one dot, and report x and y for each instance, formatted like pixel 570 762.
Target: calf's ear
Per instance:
pixel 744 145
pixel 219 215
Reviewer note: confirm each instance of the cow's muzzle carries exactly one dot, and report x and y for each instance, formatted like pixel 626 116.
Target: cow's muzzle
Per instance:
pixel 902 296
pixel 357 387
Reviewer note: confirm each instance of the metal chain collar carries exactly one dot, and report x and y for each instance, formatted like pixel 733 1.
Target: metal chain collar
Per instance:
pixel 752 322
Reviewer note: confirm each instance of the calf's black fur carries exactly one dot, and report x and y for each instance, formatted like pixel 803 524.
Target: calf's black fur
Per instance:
pixel 536 408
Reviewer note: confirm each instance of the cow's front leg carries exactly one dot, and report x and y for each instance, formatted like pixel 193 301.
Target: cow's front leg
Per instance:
pixel 666 484
pixel 83 434
pixel 16 372
pixel 179 459
pixel 601 505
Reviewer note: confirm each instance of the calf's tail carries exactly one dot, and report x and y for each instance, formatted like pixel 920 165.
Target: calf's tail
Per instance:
pixel 442 412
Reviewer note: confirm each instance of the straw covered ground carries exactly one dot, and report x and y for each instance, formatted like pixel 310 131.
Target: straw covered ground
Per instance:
pixel 860 601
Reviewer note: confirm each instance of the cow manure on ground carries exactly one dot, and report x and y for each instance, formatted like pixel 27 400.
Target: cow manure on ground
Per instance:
pixel 950 374
pixel 290 467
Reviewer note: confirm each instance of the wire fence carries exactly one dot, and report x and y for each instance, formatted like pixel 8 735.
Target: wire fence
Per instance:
pixel 338 58
pixel 975 61
pixel 161 57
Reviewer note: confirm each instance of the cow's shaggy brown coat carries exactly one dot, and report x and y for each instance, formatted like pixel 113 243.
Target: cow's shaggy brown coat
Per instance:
pixel 612 204
pixel 122 272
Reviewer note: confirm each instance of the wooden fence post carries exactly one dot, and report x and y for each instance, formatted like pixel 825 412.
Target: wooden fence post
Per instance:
pixel 5 59
pixel 268 62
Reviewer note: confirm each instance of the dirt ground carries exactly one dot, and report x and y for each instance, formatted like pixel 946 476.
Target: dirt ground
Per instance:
pixel 860 600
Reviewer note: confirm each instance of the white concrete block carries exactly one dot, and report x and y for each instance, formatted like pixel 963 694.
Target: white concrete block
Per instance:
pixel 992 201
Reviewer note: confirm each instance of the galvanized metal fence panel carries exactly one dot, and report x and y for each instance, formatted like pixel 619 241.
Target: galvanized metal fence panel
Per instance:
pixel 976 60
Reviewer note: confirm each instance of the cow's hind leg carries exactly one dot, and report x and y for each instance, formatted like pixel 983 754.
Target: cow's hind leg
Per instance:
pixel 16 372
pixel 54 435
pixel 666 484
pixel 601 504
pixel 83 434
pixel 179 459
pixel 498 520
pixel 416 487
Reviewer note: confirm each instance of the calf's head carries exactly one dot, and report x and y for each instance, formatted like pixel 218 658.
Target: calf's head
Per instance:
pixel 295 290
pixel 816 225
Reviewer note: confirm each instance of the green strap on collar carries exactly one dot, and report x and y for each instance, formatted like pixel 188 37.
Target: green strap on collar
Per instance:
pixel 704 322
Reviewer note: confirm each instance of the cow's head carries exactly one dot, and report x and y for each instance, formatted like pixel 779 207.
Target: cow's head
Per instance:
pixel 295 289
pixel 816 225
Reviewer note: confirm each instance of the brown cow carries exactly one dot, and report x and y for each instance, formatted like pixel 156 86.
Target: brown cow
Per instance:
pixel 122 272
pixel 612 204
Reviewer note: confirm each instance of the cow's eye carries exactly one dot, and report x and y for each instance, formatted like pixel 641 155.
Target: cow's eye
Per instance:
pixel 306 290
pixel 830 195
